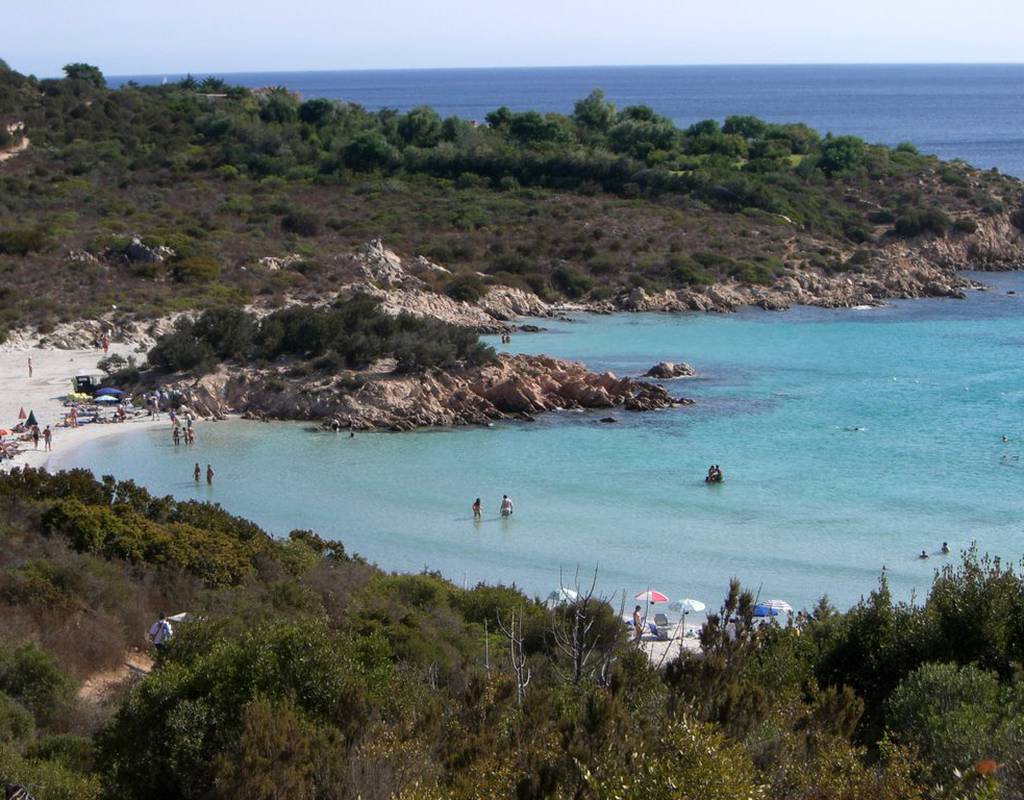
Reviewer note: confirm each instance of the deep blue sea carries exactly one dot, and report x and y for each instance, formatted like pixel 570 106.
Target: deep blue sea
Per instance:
pixel 974 112
pixel 851 440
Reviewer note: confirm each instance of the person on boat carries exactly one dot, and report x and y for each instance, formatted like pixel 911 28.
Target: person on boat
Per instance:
pixel 924 554
pixel 477 510
pixel 506 506
pixel 638 624
pixel 945 548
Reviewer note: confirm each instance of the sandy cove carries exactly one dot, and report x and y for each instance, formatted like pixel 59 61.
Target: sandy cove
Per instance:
pixel 52 371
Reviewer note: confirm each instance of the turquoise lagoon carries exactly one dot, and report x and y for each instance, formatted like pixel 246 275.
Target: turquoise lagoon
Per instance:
pixel 851 440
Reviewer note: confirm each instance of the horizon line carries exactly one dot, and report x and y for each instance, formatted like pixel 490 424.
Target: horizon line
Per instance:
pixel 762 65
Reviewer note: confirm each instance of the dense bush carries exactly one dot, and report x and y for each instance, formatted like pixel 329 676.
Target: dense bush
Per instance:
pixel 354 330
pixel 467 288
pixel 915 221
pixel 21 242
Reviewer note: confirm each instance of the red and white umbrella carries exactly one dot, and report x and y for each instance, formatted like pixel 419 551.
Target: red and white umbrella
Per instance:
pixel 651 596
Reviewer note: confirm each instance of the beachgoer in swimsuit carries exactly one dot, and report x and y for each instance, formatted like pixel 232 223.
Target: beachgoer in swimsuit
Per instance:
pixel 209 475
pixel 197 472
pixel 35 436
pixel 177 435
pixel 945 549
pixel 506 506
pixel 477 511
pixel 48 438
pixel 924 554
pixel 638 624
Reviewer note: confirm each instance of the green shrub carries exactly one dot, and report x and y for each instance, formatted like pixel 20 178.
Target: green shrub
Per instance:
pixel 466 287
pixel 302 222
pixel 196 269
pixel 965 225
pixel 22 241
pixel 16 722
pixel 916 221
pixel 571 282
pixel 75 753
pixel 31 676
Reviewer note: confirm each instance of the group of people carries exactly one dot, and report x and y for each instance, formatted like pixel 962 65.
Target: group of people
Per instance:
pixel 715 474
pixel 504 510
pixel 506 338
pixel 944 550
pixel 47 436
pixel 197 473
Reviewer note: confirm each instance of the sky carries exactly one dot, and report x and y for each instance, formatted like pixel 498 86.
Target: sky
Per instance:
pixel 200 36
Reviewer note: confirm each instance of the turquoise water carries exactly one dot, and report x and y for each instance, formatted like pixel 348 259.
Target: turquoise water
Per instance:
pixel 851 440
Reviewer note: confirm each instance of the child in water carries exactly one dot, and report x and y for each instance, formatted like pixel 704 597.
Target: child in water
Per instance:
pixel 477 510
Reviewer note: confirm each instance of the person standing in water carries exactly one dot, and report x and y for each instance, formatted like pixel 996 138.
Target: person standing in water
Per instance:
pixel 209 475
pixel 197 472
pixel 477 510
pixel 506 506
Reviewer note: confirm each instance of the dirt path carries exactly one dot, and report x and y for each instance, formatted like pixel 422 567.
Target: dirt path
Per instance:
pixel 100 685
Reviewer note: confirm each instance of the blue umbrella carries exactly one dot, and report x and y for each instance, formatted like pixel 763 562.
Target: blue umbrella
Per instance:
pixel 761 610
pixel 109 391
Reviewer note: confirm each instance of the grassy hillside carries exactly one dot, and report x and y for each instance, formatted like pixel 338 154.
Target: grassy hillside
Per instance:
pixel 578 206
pixel 308 673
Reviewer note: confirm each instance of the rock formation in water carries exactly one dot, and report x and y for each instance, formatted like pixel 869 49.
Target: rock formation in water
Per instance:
pixel 667 370
pixel 515 387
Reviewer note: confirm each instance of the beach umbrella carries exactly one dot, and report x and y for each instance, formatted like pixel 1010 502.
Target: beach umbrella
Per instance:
pixel 107 399
pixel 4 431
pixel 31 419
pixel 688 606
pixel 21 414
pixel 764 610
pixel 779 605
pixel 651 596
pixel 110 391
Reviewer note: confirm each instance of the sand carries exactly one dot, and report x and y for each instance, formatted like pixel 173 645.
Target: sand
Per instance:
pixel 52 371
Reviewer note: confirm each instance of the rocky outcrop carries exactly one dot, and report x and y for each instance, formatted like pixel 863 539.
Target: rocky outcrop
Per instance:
pixel 667 370
pixel 516 387
pixel 384 267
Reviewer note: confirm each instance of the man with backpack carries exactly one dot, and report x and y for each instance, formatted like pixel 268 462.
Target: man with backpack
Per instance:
pixel 160 632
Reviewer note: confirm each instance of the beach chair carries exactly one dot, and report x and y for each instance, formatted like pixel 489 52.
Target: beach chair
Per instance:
pixel 662 621
pixel 661 634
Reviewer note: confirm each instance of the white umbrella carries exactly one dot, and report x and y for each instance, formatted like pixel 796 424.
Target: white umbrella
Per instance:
pixel 688 606
pixel 779 605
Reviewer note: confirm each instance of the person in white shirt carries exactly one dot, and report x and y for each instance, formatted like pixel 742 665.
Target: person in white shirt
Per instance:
pixel 160 632
pixel 506 506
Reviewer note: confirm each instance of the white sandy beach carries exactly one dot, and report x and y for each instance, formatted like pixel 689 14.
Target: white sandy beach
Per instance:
pixel 52 371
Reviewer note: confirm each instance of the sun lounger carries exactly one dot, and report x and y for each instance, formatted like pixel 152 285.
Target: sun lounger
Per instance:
pixel 661 621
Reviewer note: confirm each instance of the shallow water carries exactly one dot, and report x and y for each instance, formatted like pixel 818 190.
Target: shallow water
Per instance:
pixel 851 440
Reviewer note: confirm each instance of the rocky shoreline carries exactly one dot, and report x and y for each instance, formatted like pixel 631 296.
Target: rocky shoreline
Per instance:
pixel 515 387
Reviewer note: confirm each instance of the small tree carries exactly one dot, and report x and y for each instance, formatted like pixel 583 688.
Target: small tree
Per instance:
pixel 85 72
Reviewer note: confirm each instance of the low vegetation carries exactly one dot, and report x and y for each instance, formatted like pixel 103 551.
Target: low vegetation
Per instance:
pixel 309 673
pixel 211 178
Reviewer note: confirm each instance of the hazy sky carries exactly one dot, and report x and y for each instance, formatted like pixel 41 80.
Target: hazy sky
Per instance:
pixel 175 36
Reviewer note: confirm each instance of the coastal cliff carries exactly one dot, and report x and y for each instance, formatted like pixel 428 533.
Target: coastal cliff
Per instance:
pixel 516 387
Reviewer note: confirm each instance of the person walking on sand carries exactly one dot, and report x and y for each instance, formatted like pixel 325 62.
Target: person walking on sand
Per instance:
pixel 35 437
pixel 160 632
pixel 209 475
pixel 30 366
pixel 506 506
pixel 47 439
pixel 477 510
pixel 638 624
pixel 197 472
pixel 106 344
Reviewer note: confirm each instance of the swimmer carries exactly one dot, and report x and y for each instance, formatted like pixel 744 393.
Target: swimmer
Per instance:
pixel 945 549
pixel 506 506
pixel 197 472
pixel 924 554
pixel 477 510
